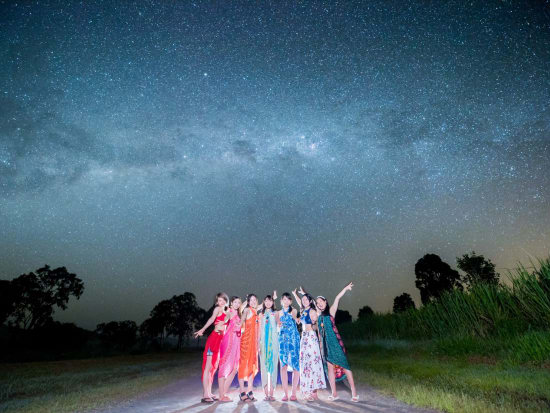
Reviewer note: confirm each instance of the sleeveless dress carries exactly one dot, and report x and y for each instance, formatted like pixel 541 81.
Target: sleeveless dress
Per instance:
pixel 248 364
pixel 230 346
pixel 332 347
pixel 289 342
pixel 269 348
pixel 212 347
pixel 312 375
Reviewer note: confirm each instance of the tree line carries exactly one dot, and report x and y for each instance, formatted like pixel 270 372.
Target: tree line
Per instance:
pixel 28 302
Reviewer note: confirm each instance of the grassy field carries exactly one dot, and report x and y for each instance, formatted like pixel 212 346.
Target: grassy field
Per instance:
pixel 419 373
pixel 81 385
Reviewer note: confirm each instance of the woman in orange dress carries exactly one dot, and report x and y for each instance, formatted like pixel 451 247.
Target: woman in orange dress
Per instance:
pixel 212 347
pixel 248 364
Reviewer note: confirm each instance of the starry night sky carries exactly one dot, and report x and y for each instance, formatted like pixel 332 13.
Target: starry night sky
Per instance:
pixel 167 146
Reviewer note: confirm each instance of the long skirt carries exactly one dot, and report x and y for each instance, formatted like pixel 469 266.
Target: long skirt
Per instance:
pixel 312 376
pixel 212 348
pixel 230 351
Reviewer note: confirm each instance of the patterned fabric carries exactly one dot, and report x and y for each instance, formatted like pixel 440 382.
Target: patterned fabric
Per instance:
pixel 289 342
pixel 306 319
pixel 269 348
pixel 312 376
pixel 230 346
pixel 332 347
pixel 212 348
pixel 249 347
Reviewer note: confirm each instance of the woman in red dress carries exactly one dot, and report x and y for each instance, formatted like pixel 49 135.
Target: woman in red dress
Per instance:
pixel 212 347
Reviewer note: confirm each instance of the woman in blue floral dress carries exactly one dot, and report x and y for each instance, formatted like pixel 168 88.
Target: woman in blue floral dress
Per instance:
pixel 289 345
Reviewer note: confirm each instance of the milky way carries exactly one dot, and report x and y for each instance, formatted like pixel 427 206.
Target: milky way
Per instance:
pixel 160 147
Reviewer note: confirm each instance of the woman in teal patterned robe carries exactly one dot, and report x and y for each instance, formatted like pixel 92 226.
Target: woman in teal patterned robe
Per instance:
pixel 333 352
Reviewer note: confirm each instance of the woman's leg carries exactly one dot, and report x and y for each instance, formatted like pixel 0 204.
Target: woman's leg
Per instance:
pixel 295 379
pixel 206 378
pixel 284 379
pixel 332 379
pixel 230 380
pixel 250 382
pixel 349 375
pixel 221 386
pixel 210 382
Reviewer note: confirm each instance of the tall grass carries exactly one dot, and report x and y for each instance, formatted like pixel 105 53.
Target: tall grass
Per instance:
pixel 483 311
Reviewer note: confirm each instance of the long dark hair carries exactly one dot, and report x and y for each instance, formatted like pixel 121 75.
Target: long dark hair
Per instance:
pixel 270 298
pixel 248 297
pixel 326 311
pixel 311 302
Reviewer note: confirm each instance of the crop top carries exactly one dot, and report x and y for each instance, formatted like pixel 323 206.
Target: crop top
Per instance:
pixel 306 319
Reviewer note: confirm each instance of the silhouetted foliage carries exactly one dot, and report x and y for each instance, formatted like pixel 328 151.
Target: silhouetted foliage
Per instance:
pixel 402 303
pixel 342 316
pixel 36 294
pixel 365 311
pixel 434 276
pixel 185 315
pixel 7 300
pixel 477 269
pixel 177 317
pixel 118 334
pixel 155 328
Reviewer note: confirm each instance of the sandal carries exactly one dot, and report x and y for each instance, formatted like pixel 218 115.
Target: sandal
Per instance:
pixel 285 398
pixel 207 400
pixel 332 398
pixel 355 399
pixel 215 398
pixel 225 399
pixel 293 399
pixel 250 396
pixel 243 396
pixel 310 398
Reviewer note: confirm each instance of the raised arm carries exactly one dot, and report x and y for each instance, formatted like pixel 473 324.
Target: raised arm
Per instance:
pixel 313 315
pixel 297 298
pixel 334 306
pixel 208 323
pixel 244 314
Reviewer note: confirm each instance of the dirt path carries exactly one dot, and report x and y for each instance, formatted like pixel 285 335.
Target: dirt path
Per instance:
pixel 184 396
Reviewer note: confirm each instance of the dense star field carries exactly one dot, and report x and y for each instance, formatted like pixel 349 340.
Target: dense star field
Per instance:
pixel 158 147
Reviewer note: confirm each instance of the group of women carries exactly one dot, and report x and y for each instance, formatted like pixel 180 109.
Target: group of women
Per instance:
pixel 249 337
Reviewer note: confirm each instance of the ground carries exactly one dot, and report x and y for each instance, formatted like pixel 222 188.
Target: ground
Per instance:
pixel 184 396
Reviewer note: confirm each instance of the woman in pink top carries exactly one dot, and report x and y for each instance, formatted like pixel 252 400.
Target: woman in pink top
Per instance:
pixel 230 349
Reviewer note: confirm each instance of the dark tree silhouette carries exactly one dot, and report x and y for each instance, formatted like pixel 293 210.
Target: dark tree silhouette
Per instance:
pixel 36 294
pixel 342 316
pixel 7 300
pixel 364 312
pixel 477 269
pixel 157 325
pixel 434 276
pixel 402 303
pixel 185 315
pixel 177 317
pixel 118 334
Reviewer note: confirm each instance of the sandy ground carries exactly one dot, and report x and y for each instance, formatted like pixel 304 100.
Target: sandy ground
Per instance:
pixel 184 396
